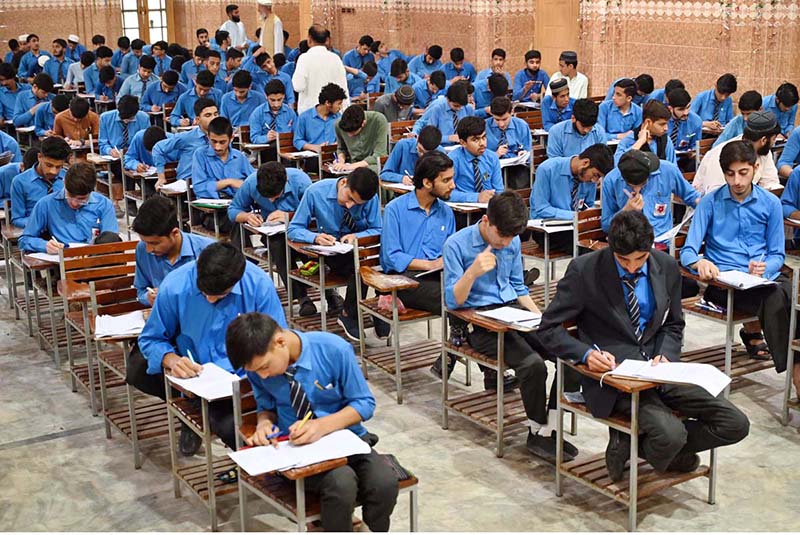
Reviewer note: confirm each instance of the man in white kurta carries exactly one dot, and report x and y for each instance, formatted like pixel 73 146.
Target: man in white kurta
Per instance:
pixel 315 69
pixel 235 27
pixel 271 38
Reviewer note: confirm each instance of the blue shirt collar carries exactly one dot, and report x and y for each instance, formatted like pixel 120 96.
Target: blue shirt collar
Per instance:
pixel 622 273
pixel 304 360
pixel 476 239
pixel 726 195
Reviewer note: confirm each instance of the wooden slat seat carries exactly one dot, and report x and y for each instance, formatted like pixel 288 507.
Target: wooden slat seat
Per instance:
pixel 741 363
pixel 537 292
pixel 81 373
pixel 413 356
pixel 314 323
pixel 466 350
pixel 151 420
pixel 332 280
pixel 481 408
pixel 411 314
pixel 114 359
pixel 691 304
pixel 189 408
pixel 195 477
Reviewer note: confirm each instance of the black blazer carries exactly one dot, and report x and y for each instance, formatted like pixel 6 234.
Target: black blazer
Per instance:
pixel 591 294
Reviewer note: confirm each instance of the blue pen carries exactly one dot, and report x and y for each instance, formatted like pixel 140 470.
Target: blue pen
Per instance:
pixel 275 434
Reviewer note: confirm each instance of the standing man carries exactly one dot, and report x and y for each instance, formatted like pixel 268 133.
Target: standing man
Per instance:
pixel 568 68
pixel 235 27
pixel 271 38
pixel 317 68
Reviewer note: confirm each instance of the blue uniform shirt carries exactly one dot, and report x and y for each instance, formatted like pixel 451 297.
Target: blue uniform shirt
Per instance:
pixel 690 131
pixel 518 136
pixel 208 168
pixel 393 84
pixel 785 118
pixel 524 76
pixel 53 215
pixel 183 320
pixel 8 100
pixel 262 118
pixel 9 144
pixel 102 90
pixel 464 176
pixel 401 160
pixel 184 107
pixel 422 95
pixel 643 292
pixel 628 141
pixel 134 85
pixel 736 233
pixel 320 202
pixel 57 69
pixel 112 130
pixel 91 78
pixel 117 56
pixel 22 109
pixel 418 66
pixel 500 285
pixel 637 98
pixel 154 95
pixel 564 140
pixel 659 95
pixel 239 112
pixel 790 198
pixel 189 71
pixel 657 194
pixel 162 64
pixel 248 199
pixel 467 70
pixel 791 151
pixel 705 102
pixel 75 53
pixel 29 64
pixel 7 174
pixel 353 59
pixel 130 64
pixel 311 128
pixel 385 64
pixel 551 196
pixel 43 120
pixel 26 190
pixel 136 153
pixel 409 233
pixel 326 360
pixel 152 269
pixel 440 115
pixel 179 148
pixel 552 115
pixel 615 122
pixel 734 128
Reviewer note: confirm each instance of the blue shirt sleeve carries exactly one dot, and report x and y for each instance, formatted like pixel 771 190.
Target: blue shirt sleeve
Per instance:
pixel 791 151
pixel 18 217
pixel 357 394
pixel 205 186
pixel 31 240
pixel 258 130
pixel 690 252
pixel 391 245
pixel 541 203
pixel 391 171
pixel 453 270
pixel 372 214
pixel 298 226
pixel 141 280
pixel 609 206
pixel 776 247
pixel 242 201
pixel 790 198
pixel 159 331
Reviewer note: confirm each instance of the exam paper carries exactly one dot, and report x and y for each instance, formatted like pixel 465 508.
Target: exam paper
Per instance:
pixel 522 158
pixel 270 229
pixel 121 325
pixel 513 316
pixel 705 376
pixel 212 383
pixel 330 250
pixel 179 186
pixel 742 280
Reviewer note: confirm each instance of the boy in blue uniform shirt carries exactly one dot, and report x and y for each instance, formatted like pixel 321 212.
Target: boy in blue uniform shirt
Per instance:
pixel 685 126
pixel 715 106
pixel 273 117
pixel 195 304
pixel 361 82
pixel 263 70
pixel 190 69
pixel 45 116
pixel 644 88
pixel 29 100
pixel 487 89
pixel 426 91
pixel 400 74
pixel 446 113
pixel 10 89
pixel 130 62
pixel 9 144
pixel 74 47
pixel 651 136
pixel 399 167
pixel 58 64
pixel 139 156
pixel 458 68
pixel 29 64
pixel 749 102
pixel 344 209
pixel 557 106
pixel 183 113
pixel 358 56
pixel 619 116
pixel 166 91
pixel 315 126
pixel 790 202
pixel 784 105
pixel 117 127
pixel 9 172
pixel 109 85
pixel 90 74
pixel 424 64
pixel 477 170
pixel 74 214
pixel 214 66
pixel 482 268
pixel 46 177
pixel 572 137
pixel 159 53
pixel 742 227
pixel 181 147
pixel 530 82
pixel 286 369
pixel 508 136
pixel 123 48
pixel 138 83
pixel 239 104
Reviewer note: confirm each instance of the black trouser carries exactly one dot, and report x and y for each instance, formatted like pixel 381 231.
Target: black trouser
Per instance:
pixel 559 241
pixel 712 422
pixel 343 266
pixel 772 305
pixel 523 353
pixel 365 478
pixel 277 252
pixel 220 412
pixel 128 184
pixel 427 296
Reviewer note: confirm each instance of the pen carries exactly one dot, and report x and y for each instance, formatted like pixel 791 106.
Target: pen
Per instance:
pixel 302 423
pixel 762 258
pixel 275 434
pixel 150 290
pixel 316 383
pixel 189 354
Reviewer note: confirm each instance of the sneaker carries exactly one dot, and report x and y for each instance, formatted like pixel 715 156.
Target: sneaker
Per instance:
pixel 335 302
pixel 307 307
pixel 510 382
pixel 684 463
pixel 436 369
pixel 530 276
pixel 570 451
pixel 383 329
pixel 350 326
pixel 189 441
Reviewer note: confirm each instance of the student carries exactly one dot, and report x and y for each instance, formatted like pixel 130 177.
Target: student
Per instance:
pixel 166 91
pixel 482 269
pixel 13 46
pixel 508 136
pixel 159 53
pixel 130 63
pixel 572 137
pixel 10 170
pixel 557 106
pixel 264 71
pixel 345 209
pixel 530 82
pixel 498 66
pixel 715 106
pixel 241 103
pixel 78 122
pixel 568 68
pixel 29 64
pixel 181 147
pixel 109 85
pixel 98 41
pixel 741 225
pixel 45 116
pixel 790 202
pixel 384 57
pixel 117 127
pixel 137 84
pixel 661 93
pixel 399 75
pixel 643 183
pixel 58 65
pixel 10 90
pixel 102 58
pixel 233 62
pixel 477 171
pixel 29 100
pixel 76 70
pixel 316 126
pixel 214 66
pixel 279 362
pixel 487 89
pixel 638 315
pixel 446 113
pixel 186 329
pixel 761 130
pixel 361 82
pixel 362 139
pixel 202 37
pixel 405 154
pixel 73 214
pixel 271 194
pixel 162 248
pixel 424 64
pixel 749 102
pixel 74 47
pixel 183 113
pixel 644 88
pixel 458 69
pixel 358 56
pixel 123 48
pixel 397 106
pixel 784 105
pixel 273 117
pixel 685 126
pixel 620 116
pixel 9 144
pixel 46 177
pixel 651 136
pixel 139 157
pixel 565 185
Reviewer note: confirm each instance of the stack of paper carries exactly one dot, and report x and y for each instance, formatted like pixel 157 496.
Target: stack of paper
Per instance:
pixel 398 186
pixel 212 383
pixel 523 319
pixel 300 154
pixel 705 376
pixel 212 203
pixel 269 229
pixel 265 459
pixel 122 325
pixel 469 206
pixel 179 186
pixel 742 280
pixel 550 226
pixel 522 158
pixel 330 250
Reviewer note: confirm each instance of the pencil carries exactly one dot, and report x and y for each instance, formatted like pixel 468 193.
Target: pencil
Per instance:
pixel 304 420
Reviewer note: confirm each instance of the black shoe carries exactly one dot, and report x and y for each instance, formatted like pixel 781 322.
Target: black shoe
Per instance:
pixel 383 329
pixel 684 463
pixel 510 382
pixel 189 441
pixel 350 326
pixel 570 451
pixel 544 447
pixel 133 210
pixel 458 335
pixel 618 452
pixel 307 307
pixel 530 276
pixel 335 302
pixel 436 369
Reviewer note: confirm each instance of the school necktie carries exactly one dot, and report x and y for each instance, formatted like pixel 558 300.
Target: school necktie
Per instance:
pixel 632 302
pixel 297 395
pixel 674 134
pixel 61 73
pixel 503 138
pixel 476 174
pixel 348 221
pixel 144 85
pixel 576 201
pixel 272 121
pixel 717 106
pixel 455 119
pixel 125 134
pixel 559 115
pixel 160 66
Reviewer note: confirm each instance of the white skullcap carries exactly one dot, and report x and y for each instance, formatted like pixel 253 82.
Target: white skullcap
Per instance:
pixel 42 60
pixel 22 38
pixel 267 3
pixel 73 38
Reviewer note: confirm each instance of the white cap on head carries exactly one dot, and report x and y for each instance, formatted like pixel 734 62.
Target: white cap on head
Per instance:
pixel 22 38
pixel 42 60
pixel 267 3
pixel 72 38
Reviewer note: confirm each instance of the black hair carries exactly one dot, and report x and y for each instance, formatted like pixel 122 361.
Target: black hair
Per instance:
pixel 630 232
pixel 470 126
pixel 151 136
pixel 203 103
pixel 200 51
pixel 30 158
pixel 627 85
pixel 271 179
pixel 214 54
pixel 679 98
pixel 508 214
pixel 220 36
pixel 399 66
pixel 205 78
pixel 249 336
pixel 127 106
pixel 318 33
pixel 499 52
pixel 137 44
pixel 106 74
pixel 750 101
pixel 7 71
pixel 435 51
pixel 645 84
pixel 331 93
pixel 242 79
pixel 456 54
pixel 60 103
pixel 352 119
pixel 31 37
pixel 199 31
pixel 500 106
pixel 585 111
pixel 370 68
pixel 438 79
pixel 262 58
pixel 43 82
pixel 532 54
pixel 163 45
pixel 80 179
pixel 429 166
pixel 727 84
pixel 275 87
pixel 103 52
pixel 220 126
pixel 13 44
pixel 123 42
pixel 177 62
pixel 599 156
pixel 60 42
pixel 737 151
pixel 498 85
pixel 655 110
pixel 55 148
pixel 429 137
pixel 233 53
pixel 219 267
pixel 147 62
pixel 458 93
pixel 230 8
pixel 98 39
pixel 279 60
pixel 79 107
pixel 156 217
pixel 170 78
pixel 365 40
pixel 786 94
pixel 303 46
pixel 363 181
pixel 87 58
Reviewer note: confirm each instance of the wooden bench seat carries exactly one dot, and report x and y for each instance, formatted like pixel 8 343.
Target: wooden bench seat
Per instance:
pixel 741 363
pixel 191 410
pixel 332 280
pixel 413 356
pixel 151 420
pixel 195 477
pixel 411 314
pixel 481 408
pixel 691 304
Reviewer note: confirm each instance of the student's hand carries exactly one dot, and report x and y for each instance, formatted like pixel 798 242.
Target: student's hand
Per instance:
pixel 160 183
pixel 757 268
pixel 324 239
pixel 407 180
pixel 308 433
pixel 659 359
pixel 483 263
pixel 340 166
pixel 435 264
pixel 485 195
pixel 151 295
pixel 103 98
pixel 263 430
pixel 53 247
pixel 600 361
pixel 36 107
pixel 272 135
pixel 706 270
pixel 502 150
pixel 155 108
pixel 181 367
pixel 644 136
pixel 234 183
pixel 115 153
pixel 185 121
pixel 528 85
pixel 49 133
pixel 453 138
pixel 635 203
pixel 348 238
pixel 277 215
pixel 141 168
pixel 254 220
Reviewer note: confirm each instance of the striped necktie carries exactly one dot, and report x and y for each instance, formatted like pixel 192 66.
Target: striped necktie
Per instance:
pixel 272 121
pixel 348 221
pixel 576 200
pixel 503 138
pixel 125 134
pixel 144 85
pixel 717 106
pixel 455 120
pixel 61 72
pixel 674 134
pixel 297 394
pixel 559 115
pixel 476 173
pixel 632 302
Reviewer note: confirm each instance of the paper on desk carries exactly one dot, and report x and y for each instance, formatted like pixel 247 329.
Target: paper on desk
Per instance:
pixel 214 203
pixel 539 132
pixel 212 383
pixel 25 129
pixel 330 170
pixel 671 233
pixel 121 325
pixel 742 280
pixel 300 154
pixel 47 257
pixel 551 226
pixel 450 148
pixel 270 229
pixel 330 250
pixel 531 105
pixel 150 171
pixel 522 158
pixel 398 185
pixel 179 186
pixel 705 376
pixel 513 316
pixel 468 205
pixel 265 459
